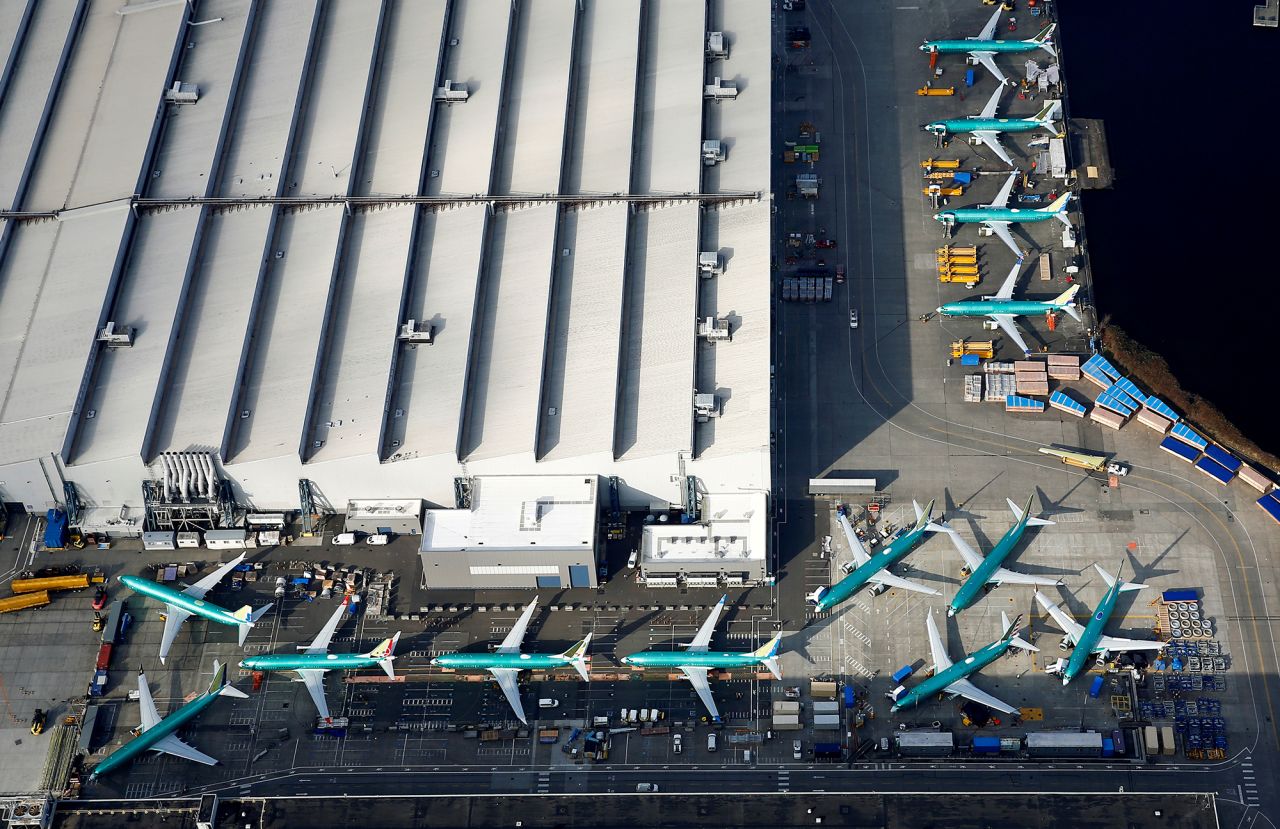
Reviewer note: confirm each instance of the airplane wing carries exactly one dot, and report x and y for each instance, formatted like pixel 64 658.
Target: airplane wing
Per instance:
pixel 516 635
pixel 698 679
pixel 325 636
pixel 506 678
pixel 197 590
pixel 966 689
pixel 888 579
pixel 1115 644
pixel 1005 321
pixel 1006 189
pixel 173 619
pixel 1010 282
pixel 172 745
pixel 989 111
pixel 992 140
pixel 314 680
pixel 703 640
pixel 1003 576
pixel 150 716
pixel 1069 626
pixel 860 554
pixel 1001 230
pixel 989 30
pixel 988 59
pixel 972 558
pixel 941 660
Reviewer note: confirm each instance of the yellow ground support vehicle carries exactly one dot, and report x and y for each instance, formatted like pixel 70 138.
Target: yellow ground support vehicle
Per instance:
pixel 983 348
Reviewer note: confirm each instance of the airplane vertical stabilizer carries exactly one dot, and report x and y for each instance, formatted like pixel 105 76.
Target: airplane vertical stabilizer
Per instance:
pixel 1111 580
pixel 577 656
pixel 1043 39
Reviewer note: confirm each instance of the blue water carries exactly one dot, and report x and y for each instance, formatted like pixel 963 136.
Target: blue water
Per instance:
pixel 1183 247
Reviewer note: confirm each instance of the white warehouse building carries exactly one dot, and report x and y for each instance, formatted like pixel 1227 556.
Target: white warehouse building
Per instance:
pixel 380 247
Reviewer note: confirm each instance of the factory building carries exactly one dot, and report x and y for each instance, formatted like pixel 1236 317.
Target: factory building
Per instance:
pixel 536 531
pixel 727 548
pixel 316 253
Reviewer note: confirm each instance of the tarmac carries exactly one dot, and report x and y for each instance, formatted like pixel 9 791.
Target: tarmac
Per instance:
pixel 879 400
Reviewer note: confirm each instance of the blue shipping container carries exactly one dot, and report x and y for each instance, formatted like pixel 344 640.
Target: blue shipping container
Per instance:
pixel 986 745
pixel 848 696
pixel 1108 747
pixel 902 673
pixel 968 77
pixel 1183 595
pixel 1096 687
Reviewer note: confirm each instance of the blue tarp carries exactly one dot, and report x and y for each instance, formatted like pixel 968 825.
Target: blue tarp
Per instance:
pixel 1182 450
pixel 1131 389
pixel 1160 407
pixel 1185 594
pixel 1214 470
pixel 55 529
pixel 1271 505
pixel 1222 456
pixel 963 178
pixel 969 360
pixel 1118 406
pixel 1098 363
pixel 1016 403
pixel 1059 398
pixel 1186 434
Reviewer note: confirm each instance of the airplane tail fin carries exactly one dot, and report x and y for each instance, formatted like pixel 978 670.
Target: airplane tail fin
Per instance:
pixel 1056 206
pixel 1048 116
pixel 1019 512
pixel 1043 39
pixel 1111 580
pixel 1010 633
pixel 768 655
pixel 247 617
pixel 577 656
pixel 924 519
pixel 385 653
pixel 221 686
pixel 1066 302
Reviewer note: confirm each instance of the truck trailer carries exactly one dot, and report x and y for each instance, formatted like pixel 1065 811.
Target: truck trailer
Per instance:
pixel 24 600
pixel 77 582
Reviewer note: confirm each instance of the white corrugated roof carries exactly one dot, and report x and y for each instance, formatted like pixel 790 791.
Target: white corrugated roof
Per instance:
pixel 605 110
pixel 529 513
pixel 670 158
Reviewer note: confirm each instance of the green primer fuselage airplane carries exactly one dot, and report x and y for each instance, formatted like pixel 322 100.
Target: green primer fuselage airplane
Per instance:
pixel 1090 639
pixel 987 128
pixel 507 662
pixel 158 734
pixel 1002 308
pixel 874 569
pixel 984 49
pixel 311 665
pixel 696 660
pixel 953 679
pixel 986 570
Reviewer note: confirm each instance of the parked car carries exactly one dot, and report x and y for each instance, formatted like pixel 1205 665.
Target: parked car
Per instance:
pixel 826 244
pixel 797 750
pixel 676 745
pixel 1117 469
pixel 711 742
pixel 853 318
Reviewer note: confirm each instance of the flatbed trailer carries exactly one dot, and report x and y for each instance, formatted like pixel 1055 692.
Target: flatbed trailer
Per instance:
pixel 76 582
pixel 22 601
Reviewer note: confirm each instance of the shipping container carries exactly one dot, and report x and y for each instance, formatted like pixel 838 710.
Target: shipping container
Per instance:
pixel 22 601
pixel 1096 687
pixel 822 690
pixel 1108 747
pixel 1151 740
pixel 826 722
pixel 1117 739
pixel 55 530
pixel 926 743
pixel 902 673
pixel 1064 744
pixel 1010 744
pixel 104 657
pixel 825 706
pixel 786 722
pixel 112 626
pixel 1168 747
pixel 786 706
pixel 848 696
pixel 986 745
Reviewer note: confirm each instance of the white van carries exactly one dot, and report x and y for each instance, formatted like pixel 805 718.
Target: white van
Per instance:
pixel 644 715
pixel 644 788
pixel 633 558
pixel 378 539
pixel 653 715
pixel 711 742
pixel 344 539
pixel 633 715
pixel 548 703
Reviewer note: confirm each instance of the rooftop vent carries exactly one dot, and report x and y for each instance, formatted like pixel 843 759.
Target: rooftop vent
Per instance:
pixel 417 332
pixel 717 46
pixel 720 90
pixel 116 337
pixel 451 93
pixel 182 93
pixel 712 153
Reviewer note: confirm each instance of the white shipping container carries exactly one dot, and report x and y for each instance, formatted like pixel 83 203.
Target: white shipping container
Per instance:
pixel 786 722
pixel 826 722
pixel 826 707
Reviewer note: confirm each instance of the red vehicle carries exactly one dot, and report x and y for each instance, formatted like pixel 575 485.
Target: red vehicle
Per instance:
pixel 100 598
pixel 825 243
